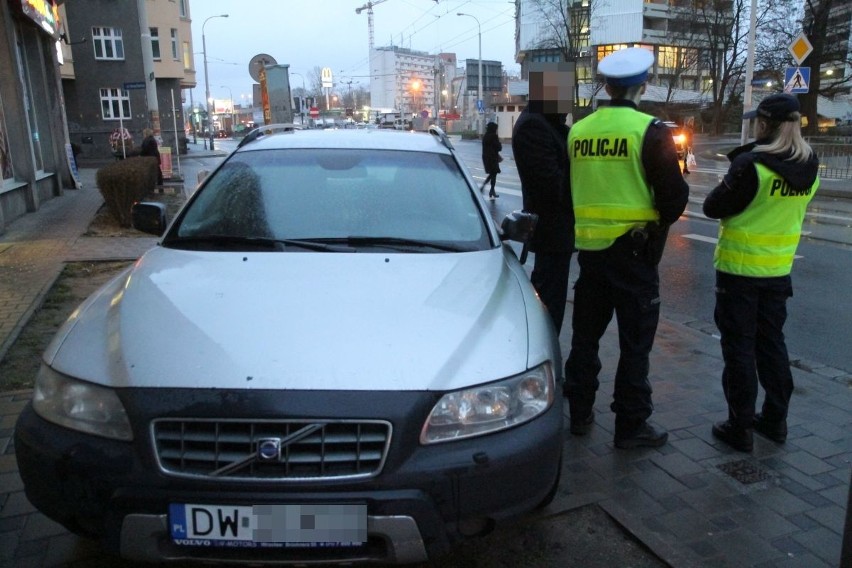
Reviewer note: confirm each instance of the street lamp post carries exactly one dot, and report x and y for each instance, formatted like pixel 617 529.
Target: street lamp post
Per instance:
pixel 207 76
pixel 304 93
pixel 479 85
pixel 230 94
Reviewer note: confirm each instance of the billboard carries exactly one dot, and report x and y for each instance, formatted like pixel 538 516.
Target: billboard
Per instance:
pixel 492 76
pixel 278 91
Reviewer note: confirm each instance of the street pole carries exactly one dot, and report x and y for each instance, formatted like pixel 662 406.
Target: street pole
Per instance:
pixel 479 85
pixel 304 97
pixel 749 71
pixel 207 76
pixel 230 94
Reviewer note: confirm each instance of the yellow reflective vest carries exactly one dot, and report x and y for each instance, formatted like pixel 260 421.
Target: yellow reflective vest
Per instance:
pixel 610 193
pixel 761 240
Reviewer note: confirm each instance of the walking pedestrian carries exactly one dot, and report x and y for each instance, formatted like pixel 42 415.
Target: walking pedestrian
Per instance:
pixel 627 189
pixel 761 203
pixel 491 158
pixel 539 146
pixel 150 147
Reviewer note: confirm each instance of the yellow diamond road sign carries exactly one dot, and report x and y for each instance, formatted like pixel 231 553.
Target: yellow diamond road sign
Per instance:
pixel 800 48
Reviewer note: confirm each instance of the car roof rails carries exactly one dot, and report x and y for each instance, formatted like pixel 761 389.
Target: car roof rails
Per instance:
pixel 442 136
pixel 267 129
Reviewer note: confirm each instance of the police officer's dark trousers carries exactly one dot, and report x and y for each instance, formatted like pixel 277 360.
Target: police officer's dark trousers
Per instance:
pixel 624 281
pixel 750 314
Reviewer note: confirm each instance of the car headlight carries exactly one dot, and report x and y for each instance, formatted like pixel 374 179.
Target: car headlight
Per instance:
pixel 488 408
pixel 80 406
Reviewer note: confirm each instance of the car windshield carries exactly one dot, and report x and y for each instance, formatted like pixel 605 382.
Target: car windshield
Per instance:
pixel 334 200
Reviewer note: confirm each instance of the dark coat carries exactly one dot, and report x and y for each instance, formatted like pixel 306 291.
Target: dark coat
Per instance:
pixel 149 148
pixel 491 148
pixel 540 149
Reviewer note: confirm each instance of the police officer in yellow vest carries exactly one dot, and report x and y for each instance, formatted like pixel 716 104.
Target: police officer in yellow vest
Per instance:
pixel 627 189
pixel 761 203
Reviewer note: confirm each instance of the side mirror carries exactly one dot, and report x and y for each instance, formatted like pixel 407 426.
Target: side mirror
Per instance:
pixel 519 226
pixel 149 217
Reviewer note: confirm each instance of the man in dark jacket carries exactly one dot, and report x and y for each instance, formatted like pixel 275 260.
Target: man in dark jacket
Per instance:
pixel 539 146
pixel 150 147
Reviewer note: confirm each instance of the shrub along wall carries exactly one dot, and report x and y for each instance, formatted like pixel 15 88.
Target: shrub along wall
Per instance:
pixel 125 182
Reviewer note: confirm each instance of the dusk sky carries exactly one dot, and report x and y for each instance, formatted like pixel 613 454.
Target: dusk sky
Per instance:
pixel 328 33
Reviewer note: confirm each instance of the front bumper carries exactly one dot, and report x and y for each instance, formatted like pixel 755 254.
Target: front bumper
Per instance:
pixel 424 500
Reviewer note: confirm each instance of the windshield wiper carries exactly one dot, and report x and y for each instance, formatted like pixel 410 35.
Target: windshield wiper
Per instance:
pixel 399 243
pixel 257 242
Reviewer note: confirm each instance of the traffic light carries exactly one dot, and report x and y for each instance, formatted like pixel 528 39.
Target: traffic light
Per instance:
pixel 297 105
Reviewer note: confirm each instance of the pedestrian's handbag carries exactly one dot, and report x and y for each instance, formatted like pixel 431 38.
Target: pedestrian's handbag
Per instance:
pixel 690 160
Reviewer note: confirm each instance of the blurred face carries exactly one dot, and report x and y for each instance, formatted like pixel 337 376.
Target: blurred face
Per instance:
pixel 552 87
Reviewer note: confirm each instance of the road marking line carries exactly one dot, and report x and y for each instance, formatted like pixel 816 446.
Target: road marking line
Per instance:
pixel 695 237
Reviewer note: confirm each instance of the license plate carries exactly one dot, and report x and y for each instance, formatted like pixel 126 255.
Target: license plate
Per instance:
pixel 268 526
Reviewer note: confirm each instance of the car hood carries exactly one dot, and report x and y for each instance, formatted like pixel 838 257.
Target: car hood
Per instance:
pixel 304 321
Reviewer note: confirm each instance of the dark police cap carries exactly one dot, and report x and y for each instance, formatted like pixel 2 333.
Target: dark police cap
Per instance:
pixel 776 107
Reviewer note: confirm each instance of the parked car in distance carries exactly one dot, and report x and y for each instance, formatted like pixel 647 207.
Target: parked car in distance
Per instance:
pixel 402 124
pixel 333 355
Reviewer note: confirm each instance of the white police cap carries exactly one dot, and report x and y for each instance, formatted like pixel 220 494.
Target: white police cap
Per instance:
pixel 626 67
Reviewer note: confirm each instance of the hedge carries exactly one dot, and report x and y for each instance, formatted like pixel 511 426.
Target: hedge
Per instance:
pixel 125 182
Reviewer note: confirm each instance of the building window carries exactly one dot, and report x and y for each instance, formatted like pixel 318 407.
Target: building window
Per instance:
pixel 182 8
pixel 155 43
pixel 187 56
pixel 667 57
pixel 108 43
pixel 175 44
pixel 115 104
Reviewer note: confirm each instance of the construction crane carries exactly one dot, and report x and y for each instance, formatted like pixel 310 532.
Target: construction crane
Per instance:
pixel 369 7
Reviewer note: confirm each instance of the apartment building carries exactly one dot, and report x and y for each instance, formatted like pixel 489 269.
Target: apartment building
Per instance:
pixel 598 28
pixel 106 88
pixel 34 152
pixel 403 80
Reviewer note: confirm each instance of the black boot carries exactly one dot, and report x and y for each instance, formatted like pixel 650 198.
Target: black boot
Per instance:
pixel 775 431
pixel 739 438
pixel 580 425
pixel 646 436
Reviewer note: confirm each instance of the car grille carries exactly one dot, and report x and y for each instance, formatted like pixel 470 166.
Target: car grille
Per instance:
pixel 307 450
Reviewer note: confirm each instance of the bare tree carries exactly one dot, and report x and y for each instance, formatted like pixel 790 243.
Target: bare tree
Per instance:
pixel 680 58
pixel 315 81
pixel 780 27
pixel 830 40
pixel 724 24
pixel 565 29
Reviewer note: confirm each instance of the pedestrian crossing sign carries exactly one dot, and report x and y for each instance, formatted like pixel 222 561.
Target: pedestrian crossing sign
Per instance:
pixel 797 79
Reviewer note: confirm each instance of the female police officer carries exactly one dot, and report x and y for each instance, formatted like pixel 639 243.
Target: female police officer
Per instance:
pixel 761 203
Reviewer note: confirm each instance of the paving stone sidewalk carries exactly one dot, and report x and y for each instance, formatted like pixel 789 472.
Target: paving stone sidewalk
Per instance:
pixel 693 502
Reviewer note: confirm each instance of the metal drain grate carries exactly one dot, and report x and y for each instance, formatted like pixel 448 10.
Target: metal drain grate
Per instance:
pixel 744 471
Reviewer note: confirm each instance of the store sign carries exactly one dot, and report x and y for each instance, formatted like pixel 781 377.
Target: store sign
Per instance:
pixel 45 13
pixel 327 78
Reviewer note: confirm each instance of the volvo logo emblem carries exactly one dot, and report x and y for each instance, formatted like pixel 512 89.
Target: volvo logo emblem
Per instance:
pixel 269 449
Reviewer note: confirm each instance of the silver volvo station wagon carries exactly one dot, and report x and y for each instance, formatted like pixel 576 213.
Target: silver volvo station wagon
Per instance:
pixel 333 355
